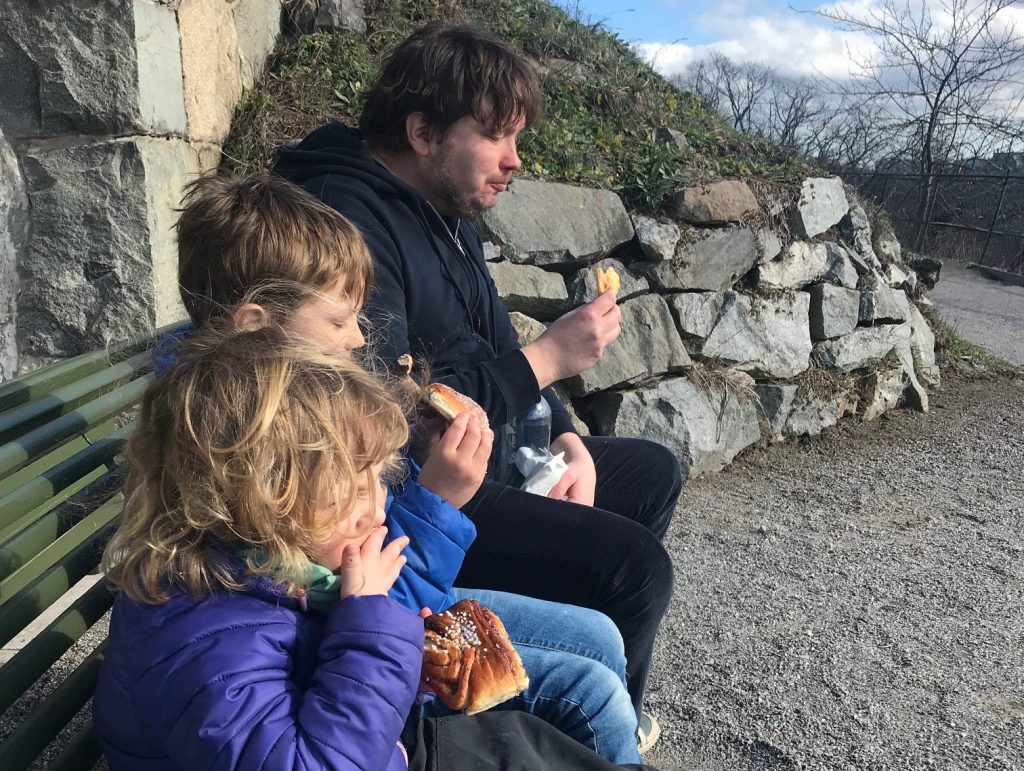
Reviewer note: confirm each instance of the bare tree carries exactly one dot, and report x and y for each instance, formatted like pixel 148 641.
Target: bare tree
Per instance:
pixel 945 81
pixel 792 110
pixel 729 88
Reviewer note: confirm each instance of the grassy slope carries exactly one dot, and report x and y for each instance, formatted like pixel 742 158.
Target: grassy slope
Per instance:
pixel 602 108
pixel 602 104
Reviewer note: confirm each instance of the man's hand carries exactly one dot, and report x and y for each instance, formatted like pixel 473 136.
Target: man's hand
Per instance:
pixel 575 342
pixel 456 466
pixel 580 479
pixel 371 568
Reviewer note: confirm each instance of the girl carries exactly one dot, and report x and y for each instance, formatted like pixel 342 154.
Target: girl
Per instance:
pixel 256 461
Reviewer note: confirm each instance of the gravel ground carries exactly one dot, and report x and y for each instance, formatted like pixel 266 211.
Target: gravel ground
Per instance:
pixel 853 601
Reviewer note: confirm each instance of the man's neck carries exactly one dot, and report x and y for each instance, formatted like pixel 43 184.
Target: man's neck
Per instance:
pixel 403 166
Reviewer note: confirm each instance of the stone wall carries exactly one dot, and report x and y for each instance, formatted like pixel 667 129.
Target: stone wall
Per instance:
pixel 741 319
pixel 110 106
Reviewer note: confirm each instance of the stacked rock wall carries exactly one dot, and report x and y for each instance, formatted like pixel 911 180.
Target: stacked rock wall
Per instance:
pixel 110 106
pixel 740 320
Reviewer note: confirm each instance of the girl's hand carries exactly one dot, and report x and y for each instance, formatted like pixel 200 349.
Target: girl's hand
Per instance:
pixel 455 468
pixel 371 568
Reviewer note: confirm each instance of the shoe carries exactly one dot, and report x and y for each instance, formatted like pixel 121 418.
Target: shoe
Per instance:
pixel 647 733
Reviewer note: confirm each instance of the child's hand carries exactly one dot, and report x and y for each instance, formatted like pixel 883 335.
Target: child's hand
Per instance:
pixel 455 468
pixel 369 568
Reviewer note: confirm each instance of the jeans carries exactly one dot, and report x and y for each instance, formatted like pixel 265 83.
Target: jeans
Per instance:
pixel 576 664
pixel 607 557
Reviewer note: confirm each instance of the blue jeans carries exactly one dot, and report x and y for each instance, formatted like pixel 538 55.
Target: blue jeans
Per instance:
pixel 575 660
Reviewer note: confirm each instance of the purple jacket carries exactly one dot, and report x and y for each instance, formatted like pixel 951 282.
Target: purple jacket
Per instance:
pixel 250 681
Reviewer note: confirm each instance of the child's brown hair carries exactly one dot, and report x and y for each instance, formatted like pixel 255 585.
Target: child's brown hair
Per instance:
pixel 238 445
pixel 237 234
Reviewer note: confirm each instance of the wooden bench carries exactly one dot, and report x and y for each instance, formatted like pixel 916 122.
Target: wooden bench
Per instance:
pixel 61 431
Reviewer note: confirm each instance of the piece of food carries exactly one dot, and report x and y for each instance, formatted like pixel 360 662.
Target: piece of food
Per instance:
pixel 450 404
pixel 468 660
pixel 607 279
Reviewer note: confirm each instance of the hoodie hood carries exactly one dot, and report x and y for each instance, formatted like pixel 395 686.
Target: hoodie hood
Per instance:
pixel 339 149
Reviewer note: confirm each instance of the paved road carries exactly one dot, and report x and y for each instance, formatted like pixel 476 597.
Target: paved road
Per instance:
pixel 985 312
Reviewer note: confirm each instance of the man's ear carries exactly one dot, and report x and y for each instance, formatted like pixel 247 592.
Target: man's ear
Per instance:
pixel 250 317
pixel 418 133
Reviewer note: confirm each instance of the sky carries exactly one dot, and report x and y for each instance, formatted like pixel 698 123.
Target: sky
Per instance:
pixel 671 33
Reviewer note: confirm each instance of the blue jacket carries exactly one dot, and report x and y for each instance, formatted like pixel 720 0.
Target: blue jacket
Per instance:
pixel 439 535
pixel 249 681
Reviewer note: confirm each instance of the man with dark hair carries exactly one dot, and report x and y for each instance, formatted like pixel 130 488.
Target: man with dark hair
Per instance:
pixel 437 147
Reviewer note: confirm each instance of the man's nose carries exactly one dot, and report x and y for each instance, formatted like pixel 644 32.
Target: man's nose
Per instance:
pixel 512 161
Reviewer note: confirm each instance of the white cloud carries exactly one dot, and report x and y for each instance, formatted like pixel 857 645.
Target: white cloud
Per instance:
pixel 666 58
pixel 794 45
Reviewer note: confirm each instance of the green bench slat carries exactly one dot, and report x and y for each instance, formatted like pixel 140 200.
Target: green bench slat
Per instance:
pixel 42 464
pixel 48 719
pixel 26 539
pixel 35 442
pixel 43 381
pixel 23 539
pixel 40 583
pixel 81 753
pixel 21 419
pixel 35 492
pixel 32 661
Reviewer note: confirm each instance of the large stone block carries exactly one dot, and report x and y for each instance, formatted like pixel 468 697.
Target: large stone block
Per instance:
pixel 657 238
pixel 706 429
pixel 856 230
pixel 715 204
pixel 762 337
pixel 714 261
pixel 257 28
pixel 864 347
pixel 210 67
pixel 547 223
pixel 102 263
pixel 108 67
pixel 834 311
pixel 882 391
pixel 527 329
pixel 822 204
pixel 530 290
pixel 697 312
pixel 804 263
pixel 922 345
pixel 341 14
pixel 14 225
pixel 649 345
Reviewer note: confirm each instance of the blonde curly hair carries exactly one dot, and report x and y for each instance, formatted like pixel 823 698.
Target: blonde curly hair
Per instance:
pixel 237 446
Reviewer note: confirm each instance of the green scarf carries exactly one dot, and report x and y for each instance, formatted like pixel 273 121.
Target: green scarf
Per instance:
pixel 324 586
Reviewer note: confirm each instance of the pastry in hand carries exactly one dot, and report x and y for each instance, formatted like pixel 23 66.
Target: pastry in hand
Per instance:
pixel 607 279
pixel 449 403
pixel 468 660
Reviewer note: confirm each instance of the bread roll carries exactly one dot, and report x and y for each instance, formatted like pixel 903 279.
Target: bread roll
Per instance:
pixel 468 660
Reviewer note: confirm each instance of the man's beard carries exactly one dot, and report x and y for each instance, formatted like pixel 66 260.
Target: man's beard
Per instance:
pixel 454 201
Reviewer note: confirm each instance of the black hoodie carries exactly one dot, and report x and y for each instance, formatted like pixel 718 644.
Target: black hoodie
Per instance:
pixel 432 294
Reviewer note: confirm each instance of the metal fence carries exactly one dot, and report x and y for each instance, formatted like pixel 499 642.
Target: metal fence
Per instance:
pixel 971 216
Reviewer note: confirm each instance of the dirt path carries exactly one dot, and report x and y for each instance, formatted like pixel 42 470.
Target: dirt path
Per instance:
pixel 854 601
pixel 986 312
